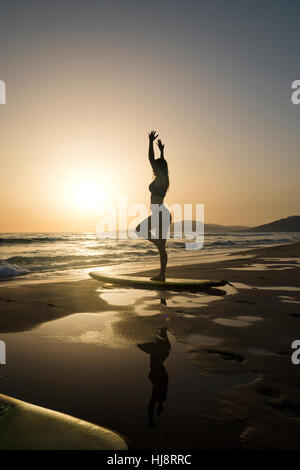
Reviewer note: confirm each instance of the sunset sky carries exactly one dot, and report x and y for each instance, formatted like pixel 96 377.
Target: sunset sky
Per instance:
pixel 86 81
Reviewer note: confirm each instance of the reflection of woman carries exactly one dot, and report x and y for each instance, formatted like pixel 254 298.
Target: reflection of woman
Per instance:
pixel 159 351
pixel 160 219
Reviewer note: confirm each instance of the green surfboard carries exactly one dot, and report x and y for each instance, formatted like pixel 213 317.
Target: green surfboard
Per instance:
pixel 169 284
pixel 24 426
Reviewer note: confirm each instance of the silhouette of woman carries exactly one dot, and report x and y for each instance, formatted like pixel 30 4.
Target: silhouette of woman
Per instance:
pixel 160 219
pixel 159 351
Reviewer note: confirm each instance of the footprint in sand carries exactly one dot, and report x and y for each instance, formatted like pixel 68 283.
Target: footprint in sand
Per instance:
pixel 280 402
pixel 226 355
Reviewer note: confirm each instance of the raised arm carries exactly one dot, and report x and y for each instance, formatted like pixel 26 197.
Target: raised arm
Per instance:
pixel 161 148
pixel 152 137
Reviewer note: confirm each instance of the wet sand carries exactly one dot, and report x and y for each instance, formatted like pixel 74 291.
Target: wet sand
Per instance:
pixel 218 361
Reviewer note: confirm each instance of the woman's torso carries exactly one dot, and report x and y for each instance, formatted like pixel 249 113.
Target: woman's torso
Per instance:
pixel 158 190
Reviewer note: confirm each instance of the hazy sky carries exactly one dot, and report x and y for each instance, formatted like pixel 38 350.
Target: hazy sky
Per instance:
pixel 86 80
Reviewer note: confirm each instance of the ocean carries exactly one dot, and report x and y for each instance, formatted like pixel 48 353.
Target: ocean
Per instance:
pixel 54 256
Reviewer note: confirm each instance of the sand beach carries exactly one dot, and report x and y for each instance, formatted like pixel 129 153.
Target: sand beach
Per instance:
pixel 205 370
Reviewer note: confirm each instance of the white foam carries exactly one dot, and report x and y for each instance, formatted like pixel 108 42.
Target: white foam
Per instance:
pixel 11 270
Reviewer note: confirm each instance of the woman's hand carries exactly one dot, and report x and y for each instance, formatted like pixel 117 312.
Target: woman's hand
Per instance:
pixel 160 145
pixel 152 136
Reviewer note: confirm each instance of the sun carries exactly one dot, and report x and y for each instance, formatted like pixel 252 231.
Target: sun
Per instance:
pixel 89 194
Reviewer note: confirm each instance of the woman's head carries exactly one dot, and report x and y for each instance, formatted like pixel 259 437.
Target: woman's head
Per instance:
pixel 161 165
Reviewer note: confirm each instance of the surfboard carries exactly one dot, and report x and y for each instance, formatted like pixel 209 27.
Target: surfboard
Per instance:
pixel 169 284
pixel 25 426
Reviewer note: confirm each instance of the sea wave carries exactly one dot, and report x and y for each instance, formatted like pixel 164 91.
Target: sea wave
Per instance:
pixel 27 241
pixel 245 242
pixel 50 260
pixel 47 254
pixel 221 243
pixel 34 262
pixel 11 270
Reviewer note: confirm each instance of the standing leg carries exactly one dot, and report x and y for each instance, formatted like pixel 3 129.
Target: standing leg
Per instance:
pixel 163 261
pixel 144 230
pixel 161 245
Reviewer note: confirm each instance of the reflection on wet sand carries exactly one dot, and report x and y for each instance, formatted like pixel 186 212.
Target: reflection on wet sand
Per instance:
pixel 159 351
pixel 73 348
pixel 89 353
pixel 150 303
pixel 27 307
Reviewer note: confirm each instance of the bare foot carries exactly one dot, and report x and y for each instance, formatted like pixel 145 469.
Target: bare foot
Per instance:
pixel 158 278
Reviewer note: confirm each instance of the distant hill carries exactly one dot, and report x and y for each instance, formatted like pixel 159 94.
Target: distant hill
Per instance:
pixel 213 228
pixel 290 224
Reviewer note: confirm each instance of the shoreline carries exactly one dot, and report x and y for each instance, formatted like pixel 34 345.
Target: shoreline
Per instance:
pixel 81 295
pixel 148 268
